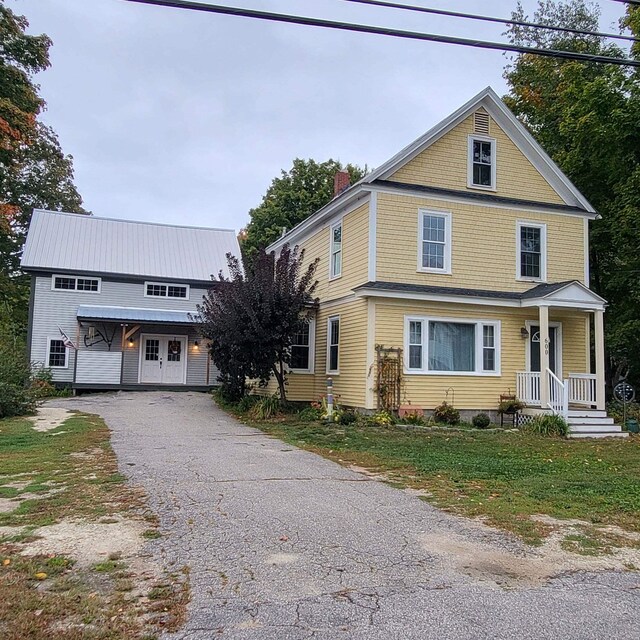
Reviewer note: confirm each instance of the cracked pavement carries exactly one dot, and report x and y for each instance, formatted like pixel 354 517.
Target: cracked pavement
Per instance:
pixel 285 545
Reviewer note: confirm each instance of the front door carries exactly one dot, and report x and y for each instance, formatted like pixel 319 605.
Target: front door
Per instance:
pixel 163 359
pixel 534 349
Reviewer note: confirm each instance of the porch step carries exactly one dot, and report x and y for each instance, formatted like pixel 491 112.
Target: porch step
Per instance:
pixel 582 434
pixel 587 413
pixel 595 420
pixel 595 427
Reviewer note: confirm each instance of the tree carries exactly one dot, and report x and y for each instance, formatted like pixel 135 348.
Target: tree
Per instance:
pixel 290 199
pixel 251 318
pixel 587 117
pixel 34 172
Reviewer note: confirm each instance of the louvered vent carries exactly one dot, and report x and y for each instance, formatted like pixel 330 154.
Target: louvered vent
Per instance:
pixel 481 122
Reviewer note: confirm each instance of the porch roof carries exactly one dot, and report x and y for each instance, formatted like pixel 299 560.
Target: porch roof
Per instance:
pixel 132 314
pixel 571 293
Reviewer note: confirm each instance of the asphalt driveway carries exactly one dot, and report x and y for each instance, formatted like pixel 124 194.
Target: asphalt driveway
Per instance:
pixel 283 544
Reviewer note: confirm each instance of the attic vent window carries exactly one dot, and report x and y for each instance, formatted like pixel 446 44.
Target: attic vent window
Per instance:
pixel 481 123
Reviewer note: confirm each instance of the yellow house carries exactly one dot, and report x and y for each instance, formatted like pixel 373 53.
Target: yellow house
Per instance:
pixel 458 269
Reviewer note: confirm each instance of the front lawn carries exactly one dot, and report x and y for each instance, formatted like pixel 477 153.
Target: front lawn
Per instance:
pixel 501 475
pixel 61 497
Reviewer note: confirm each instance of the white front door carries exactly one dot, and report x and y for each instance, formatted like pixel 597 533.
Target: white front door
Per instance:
pixel 163 359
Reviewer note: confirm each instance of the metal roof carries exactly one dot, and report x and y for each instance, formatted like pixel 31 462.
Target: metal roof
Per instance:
pixel 71 242
pixel 131 314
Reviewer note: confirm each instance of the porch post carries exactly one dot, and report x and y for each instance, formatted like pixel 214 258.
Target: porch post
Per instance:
pixel 598 316
pixel 543 314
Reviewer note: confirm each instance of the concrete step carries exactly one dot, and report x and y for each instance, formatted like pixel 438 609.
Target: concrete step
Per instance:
pixel 589 420
pixel 581 434
pixel 595 428
pixel 591 413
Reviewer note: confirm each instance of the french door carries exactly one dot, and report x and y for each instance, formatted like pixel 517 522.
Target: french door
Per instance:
pixel 163 359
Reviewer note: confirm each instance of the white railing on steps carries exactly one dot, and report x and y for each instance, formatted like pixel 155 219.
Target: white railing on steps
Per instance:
pixel 558 395
pixel 582 388
pixel 528 387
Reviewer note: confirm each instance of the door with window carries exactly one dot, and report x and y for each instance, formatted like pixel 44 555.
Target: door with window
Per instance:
pixel 554 349
pixel 163 359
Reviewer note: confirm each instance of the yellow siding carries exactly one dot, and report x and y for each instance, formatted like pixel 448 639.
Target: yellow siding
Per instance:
pixel 350 384
pixel 355 254
pixel 444 164
pixel 483 244
pixel 476 392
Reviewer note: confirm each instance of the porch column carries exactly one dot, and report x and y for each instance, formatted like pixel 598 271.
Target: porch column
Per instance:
pixel 543 314
pixel 598 317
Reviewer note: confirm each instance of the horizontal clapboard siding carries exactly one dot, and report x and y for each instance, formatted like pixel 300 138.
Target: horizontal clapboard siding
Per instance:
pixel 98 367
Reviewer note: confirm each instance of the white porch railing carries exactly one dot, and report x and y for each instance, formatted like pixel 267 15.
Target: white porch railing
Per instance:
pixel 582 388
pixel 578 388
pixel 528 387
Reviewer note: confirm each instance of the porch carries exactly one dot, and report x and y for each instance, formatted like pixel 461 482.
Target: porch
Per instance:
pixel 129 348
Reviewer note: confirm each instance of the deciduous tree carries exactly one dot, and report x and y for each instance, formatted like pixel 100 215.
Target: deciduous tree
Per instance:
pixel 251 318
pixel 291 198
pixel 587 117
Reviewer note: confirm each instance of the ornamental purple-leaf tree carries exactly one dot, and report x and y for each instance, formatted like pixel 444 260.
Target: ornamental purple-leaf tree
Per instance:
pixel 251 318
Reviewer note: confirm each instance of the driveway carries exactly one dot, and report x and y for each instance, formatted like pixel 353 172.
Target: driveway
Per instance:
pixel 283 544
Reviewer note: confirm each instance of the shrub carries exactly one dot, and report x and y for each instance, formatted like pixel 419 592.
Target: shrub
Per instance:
pixel 246 403
pixel 547 425
pixel 17 397
pixel 382 419
pixel 412 418
pixel 310 414
pixel 265 408
pixel 345 416
pixel 481 421
pixel 446 413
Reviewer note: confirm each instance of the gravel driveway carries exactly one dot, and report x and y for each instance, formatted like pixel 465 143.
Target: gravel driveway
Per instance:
pixel 283 544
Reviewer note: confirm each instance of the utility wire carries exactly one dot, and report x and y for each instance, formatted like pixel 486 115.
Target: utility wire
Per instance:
pixel 384 31
pixel 473 16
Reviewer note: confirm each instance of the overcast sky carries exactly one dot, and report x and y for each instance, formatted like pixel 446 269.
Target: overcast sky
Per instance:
pixel 183 117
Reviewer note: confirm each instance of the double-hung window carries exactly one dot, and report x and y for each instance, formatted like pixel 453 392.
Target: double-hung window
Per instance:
pixel 531 251
pixel 302 347
pixel 57 354
pixel 435 241
pixel 482 163
pixel 333 344
pixel 451 346
pixel 336 251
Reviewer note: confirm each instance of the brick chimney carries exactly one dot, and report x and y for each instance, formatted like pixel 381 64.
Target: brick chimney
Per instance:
pixel 341 182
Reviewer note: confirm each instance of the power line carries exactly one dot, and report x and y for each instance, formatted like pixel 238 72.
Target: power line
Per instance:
pixel 384 31
pixel 473 16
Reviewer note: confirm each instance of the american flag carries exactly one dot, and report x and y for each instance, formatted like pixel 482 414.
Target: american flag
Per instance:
pixel 67 340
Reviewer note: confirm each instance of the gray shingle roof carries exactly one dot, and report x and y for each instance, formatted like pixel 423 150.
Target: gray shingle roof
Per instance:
pixel 538 291
pixel 70 242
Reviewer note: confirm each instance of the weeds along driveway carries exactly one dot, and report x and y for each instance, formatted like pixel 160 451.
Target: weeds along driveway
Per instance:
pixel 283 544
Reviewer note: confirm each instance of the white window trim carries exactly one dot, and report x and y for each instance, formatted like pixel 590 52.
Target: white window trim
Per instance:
pixel 543 250
pixel 74 277
pixel 329 320
pixel 312 350
pixel 447 240
pixel 166 284
pixel 66 355
pixel 494 163
pixel 479 322
pixel 335 225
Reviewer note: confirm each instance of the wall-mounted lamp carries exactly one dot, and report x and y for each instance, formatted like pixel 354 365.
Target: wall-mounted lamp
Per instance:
pixel 131 343
pixel 196 345
pixel 524 334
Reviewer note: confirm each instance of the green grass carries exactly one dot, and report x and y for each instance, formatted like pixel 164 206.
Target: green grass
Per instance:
pixel 504 476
